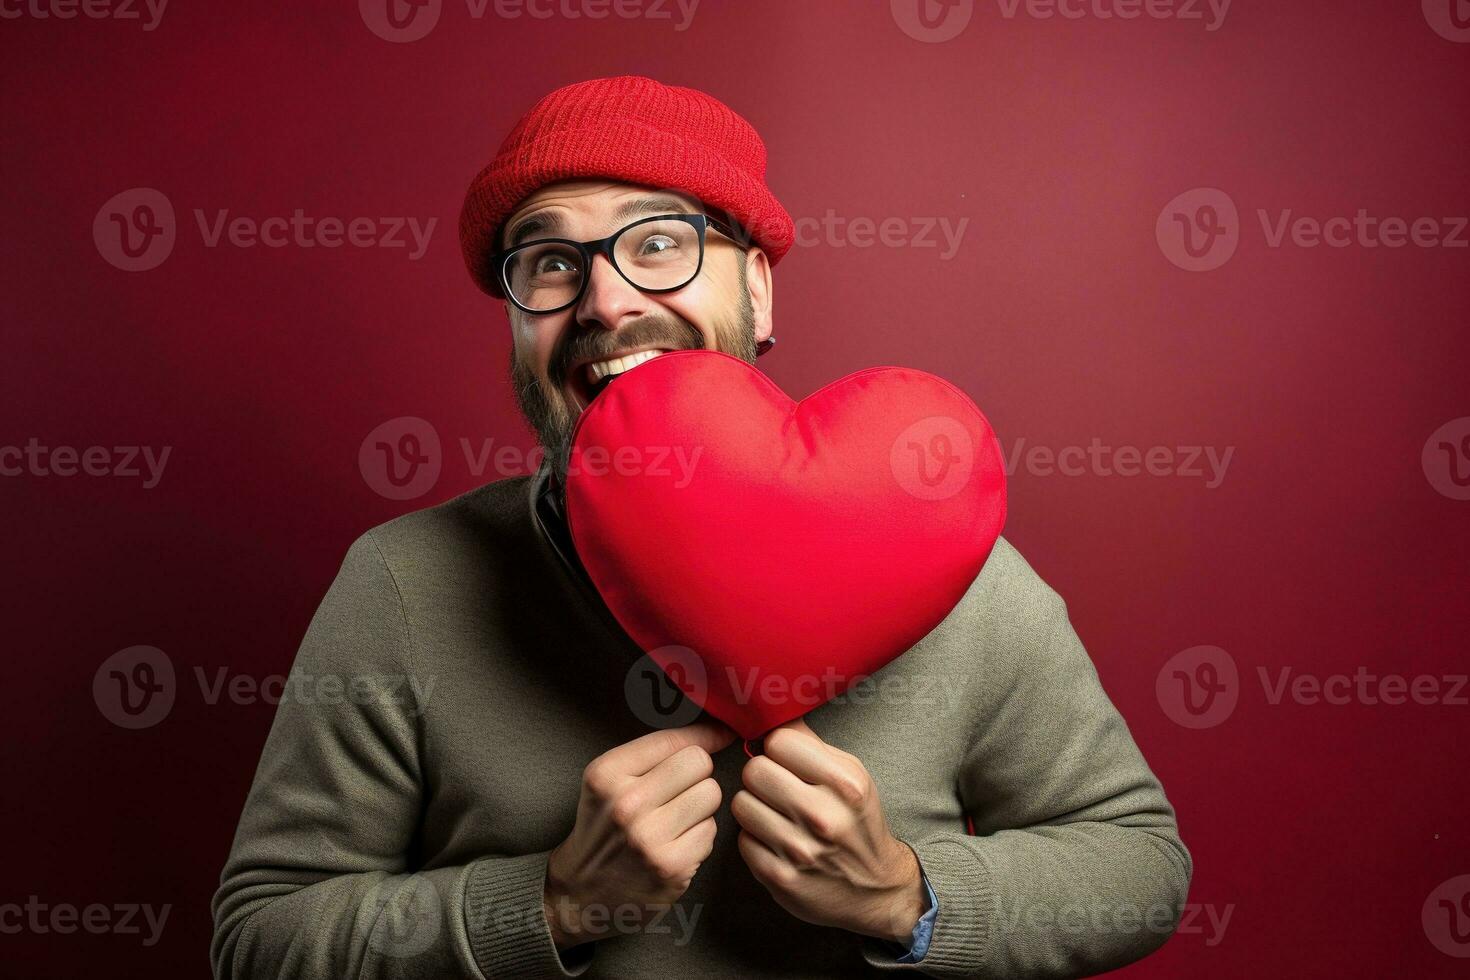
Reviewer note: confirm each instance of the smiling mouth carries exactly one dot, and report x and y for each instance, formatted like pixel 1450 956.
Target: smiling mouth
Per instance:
pixel 590 380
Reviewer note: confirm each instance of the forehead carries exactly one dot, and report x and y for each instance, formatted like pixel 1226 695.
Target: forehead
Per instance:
pixel 557 209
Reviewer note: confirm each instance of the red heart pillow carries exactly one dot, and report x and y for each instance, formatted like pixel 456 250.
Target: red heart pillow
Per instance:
pixel 794 548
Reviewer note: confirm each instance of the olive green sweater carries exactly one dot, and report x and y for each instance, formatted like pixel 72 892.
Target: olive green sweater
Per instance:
pixel 458 677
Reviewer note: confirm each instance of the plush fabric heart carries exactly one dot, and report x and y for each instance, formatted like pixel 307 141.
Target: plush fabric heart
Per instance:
pixel 768 554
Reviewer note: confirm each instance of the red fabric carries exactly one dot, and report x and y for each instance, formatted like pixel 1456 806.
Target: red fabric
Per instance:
pixel 803 542
pixel 634 130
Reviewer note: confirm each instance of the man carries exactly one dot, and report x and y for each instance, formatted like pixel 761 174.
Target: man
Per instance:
pixel 492 800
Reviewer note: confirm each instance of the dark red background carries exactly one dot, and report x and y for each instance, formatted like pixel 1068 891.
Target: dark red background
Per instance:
pixel 1324 549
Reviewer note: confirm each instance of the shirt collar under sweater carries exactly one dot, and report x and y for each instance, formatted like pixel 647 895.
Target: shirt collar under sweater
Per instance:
pixel 548 505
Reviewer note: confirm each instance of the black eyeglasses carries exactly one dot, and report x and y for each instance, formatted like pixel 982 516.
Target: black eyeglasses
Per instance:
pixel 656 255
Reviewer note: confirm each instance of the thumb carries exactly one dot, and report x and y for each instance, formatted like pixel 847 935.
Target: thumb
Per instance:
pixel 800 725
pixel 708 733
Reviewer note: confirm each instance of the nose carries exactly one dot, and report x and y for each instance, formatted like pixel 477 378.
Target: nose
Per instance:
pixel 609 300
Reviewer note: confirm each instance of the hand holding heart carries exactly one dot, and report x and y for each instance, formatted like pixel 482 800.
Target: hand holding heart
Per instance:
pixel 815 836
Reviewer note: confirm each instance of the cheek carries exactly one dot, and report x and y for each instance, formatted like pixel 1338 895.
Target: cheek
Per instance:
pixel 535 344
pixel 704 307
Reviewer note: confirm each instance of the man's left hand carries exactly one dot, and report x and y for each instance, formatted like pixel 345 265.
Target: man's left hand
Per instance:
pixel 815 836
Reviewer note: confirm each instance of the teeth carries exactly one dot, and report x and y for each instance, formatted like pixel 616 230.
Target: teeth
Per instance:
pixel 617 365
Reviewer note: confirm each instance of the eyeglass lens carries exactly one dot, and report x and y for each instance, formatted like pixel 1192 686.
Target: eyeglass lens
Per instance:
pixel 659 254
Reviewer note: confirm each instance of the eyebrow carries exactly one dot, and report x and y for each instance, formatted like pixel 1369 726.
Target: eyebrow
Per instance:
pixel 549 223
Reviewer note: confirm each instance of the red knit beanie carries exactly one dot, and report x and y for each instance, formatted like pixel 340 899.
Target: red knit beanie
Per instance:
pixel 630 129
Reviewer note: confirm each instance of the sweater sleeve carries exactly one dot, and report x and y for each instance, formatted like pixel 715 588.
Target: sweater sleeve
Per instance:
pixel 321 881
pixel 1076 866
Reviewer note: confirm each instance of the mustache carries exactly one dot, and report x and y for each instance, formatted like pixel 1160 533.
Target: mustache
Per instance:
pixel 598 344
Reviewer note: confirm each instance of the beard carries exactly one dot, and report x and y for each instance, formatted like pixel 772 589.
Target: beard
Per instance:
pixel 543 403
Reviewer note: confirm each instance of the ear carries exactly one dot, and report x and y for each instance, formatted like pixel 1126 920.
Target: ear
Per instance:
pixel 758 285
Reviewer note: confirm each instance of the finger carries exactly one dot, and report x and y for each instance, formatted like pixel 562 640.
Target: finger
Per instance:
pixel 799 750
pixel 799 724
pixel 764 863
pixel 643 753
pixel 778 786
pixel 690 848
pixel 691 807
pixel 775 829
pixel 673 776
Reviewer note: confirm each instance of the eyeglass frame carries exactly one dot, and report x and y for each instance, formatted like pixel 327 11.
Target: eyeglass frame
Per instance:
pixel 589 251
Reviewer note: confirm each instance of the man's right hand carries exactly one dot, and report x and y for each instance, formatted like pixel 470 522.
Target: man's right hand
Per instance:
pixel 645 822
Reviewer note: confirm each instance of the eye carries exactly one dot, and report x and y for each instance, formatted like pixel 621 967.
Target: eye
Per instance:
pixel 553 263
pixel 654 244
